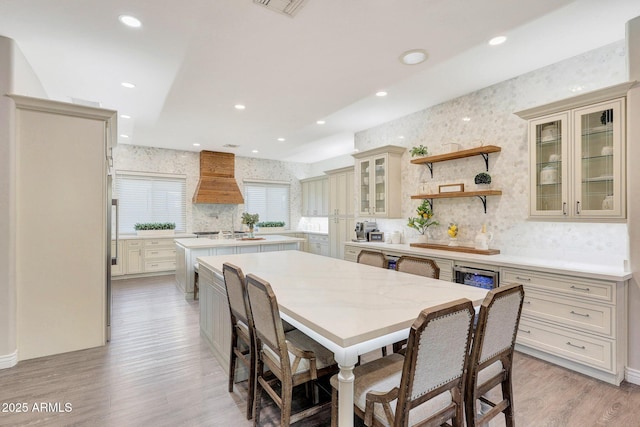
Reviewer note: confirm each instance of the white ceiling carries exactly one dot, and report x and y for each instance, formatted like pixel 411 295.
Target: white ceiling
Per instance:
pixel 193 60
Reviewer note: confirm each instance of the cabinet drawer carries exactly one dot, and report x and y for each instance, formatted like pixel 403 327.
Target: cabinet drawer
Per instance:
pixel 159 253
pixel 583 315
pixel 134 244
pixel 585 349
pixel 575 287
pixel 154 243
pixel 351 253
pixel 165 265
pixel 318 238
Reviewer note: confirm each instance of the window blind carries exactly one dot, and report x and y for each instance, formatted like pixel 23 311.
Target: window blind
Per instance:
pixel 269 200
pixel 151 198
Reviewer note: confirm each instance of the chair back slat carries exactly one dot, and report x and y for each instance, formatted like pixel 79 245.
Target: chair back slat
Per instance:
pixel 437 354
pixel 419 266
pixel 266 317
pixel 502 318
pixel 375 259
pixel 236 292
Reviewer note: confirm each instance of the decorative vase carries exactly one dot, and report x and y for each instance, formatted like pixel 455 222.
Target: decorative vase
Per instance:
pixel 453 241
pixel 251 232
pixel 422 238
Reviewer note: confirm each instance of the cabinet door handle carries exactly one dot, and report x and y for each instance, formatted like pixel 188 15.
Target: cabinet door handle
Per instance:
pixel 526 302
pixel 524 330
pixel 577 288
pixel 579 314
pixel 525 279
pixel 564 208
pixel 577 208
pixel 576 346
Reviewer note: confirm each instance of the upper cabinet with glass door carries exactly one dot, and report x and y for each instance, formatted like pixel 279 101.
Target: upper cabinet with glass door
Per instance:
pixel 379 179
pixel 577 156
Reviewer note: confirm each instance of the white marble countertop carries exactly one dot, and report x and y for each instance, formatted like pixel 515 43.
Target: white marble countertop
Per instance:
pixel 265 231
pixel 213 243
pixel 346 302
pixel 587 270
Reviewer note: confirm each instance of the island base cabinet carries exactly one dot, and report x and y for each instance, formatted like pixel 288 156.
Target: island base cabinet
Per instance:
pixel 215 323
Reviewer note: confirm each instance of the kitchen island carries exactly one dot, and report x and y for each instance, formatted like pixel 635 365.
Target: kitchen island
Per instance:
pixel 188 250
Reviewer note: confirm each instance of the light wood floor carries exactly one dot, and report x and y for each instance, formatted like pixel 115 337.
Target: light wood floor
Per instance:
pixel 158 372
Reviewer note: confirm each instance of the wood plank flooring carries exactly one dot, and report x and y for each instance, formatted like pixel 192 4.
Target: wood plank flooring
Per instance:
pixel 157 371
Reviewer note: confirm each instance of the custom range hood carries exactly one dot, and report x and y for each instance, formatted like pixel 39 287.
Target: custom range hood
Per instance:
pixel 217 183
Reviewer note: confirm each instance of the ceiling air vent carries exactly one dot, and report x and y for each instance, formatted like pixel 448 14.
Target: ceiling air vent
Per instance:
pixel 287 7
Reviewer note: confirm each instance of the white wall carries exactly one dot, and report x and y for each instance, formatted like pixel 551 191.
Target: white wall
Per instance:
pixel 493 122
pixel 16 76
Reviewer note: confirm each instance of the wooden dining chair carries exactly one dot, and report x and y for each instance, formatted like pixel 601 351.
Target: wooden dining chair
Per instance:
pixel 242 342
pixel 292 358
pixel 420 266
pixel 375 259
pixel 491 360
pixel 426 386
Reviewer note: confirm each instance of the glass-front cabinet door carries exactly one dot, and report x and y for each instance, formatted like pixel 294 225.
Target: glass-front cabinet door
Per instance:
pixel 549 165
pixel 373 186
pixel 598 176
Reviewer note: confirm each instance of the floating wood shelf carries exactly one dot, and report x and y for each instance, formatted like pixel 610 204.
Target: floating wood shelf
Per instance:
pixel 465 249
pixel 482 195
pixel 478 151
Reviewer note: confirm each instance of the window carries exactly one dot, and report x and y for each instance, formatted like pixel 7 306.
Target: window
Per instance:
pixel 268 199
pixel 147 197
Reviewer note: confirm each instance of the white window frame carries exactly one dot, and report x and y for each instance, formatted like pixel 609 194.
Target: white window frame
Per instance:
pixel 250 207
pixel 156 212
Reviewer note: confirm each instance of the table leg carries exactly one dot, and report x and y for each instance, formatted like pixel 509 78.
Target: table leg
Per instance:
pixel 345 395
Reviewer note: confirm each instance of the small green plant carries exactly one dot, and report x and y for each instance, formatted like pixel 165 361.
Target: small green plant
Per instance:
pixel 250 219
pixel 423 220
pixel 482 178
pixel 420 150
pixel 271 224
pixel 154 226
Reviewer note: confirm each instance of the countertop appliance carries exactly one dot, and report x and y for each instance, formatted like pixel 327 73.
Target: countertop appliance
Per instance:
pixel 475 276
pixel 363 229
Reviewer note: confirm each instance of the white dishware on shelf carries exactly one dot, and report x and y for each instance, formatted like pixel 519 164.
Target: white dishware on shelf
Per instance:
pixel 607 150
pixel 554 158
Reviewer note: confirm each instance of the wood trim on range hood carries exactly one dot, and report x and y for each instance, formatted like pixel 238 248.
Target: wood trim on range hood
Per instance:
pixel 217 184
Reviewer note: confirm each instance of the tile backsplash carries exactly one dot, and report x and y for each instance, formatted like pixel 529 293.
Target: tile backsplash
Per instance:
pixel 491 121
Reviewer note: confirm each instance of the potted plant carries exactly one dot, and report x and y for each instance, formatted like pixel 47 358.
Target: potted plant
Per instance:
pixel 250 220
pixel 423 221
pixel 155 228
pixel 420 150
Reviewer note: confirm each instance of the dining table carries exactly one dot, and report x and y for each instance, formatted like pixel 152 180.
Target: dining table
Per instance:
pixel 349 308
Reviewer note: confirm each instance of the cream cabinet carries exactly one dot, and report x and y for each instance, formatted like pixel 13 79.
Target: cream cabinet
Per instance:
pixel 577 157
pixel 315 196
pixel 134 256
pixel 379 182
pixel 318 244
pixel 575 322
pixel 341 210
pixel 149 255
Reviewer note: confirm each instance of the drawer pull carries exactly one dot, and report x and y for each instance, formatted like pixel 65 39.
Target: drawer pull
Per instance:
pixel 579 314
pixel 154 265
pixel 526 302
pixel 154 252
pixel 576 346
pixel 524 330
pixel 577 288
pixel 526 279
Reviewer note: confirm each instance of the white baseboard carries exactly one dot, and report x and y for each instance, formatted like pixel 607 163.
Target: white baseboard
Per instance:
pixel 8 360
pixel 632 375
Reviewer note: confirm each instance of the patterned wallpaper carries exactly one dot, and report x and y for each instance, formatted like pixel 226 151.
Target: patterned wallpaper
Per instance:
pixel 206 217
pixel 493 122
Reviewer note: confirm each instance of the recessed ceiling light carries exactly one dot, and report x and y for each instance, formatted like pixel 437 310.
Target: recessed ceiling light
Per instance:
pixel 281 139
pixel 254 151
pixel 466 119
pixel 239 107
pixel 125 116
pixel 497 40
pixel 130 21
pixel 196 144
pixel 414 56
pixel 128 85
pixel 401 137
pixel 124 136
pixel 320 122
pixel 381 93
